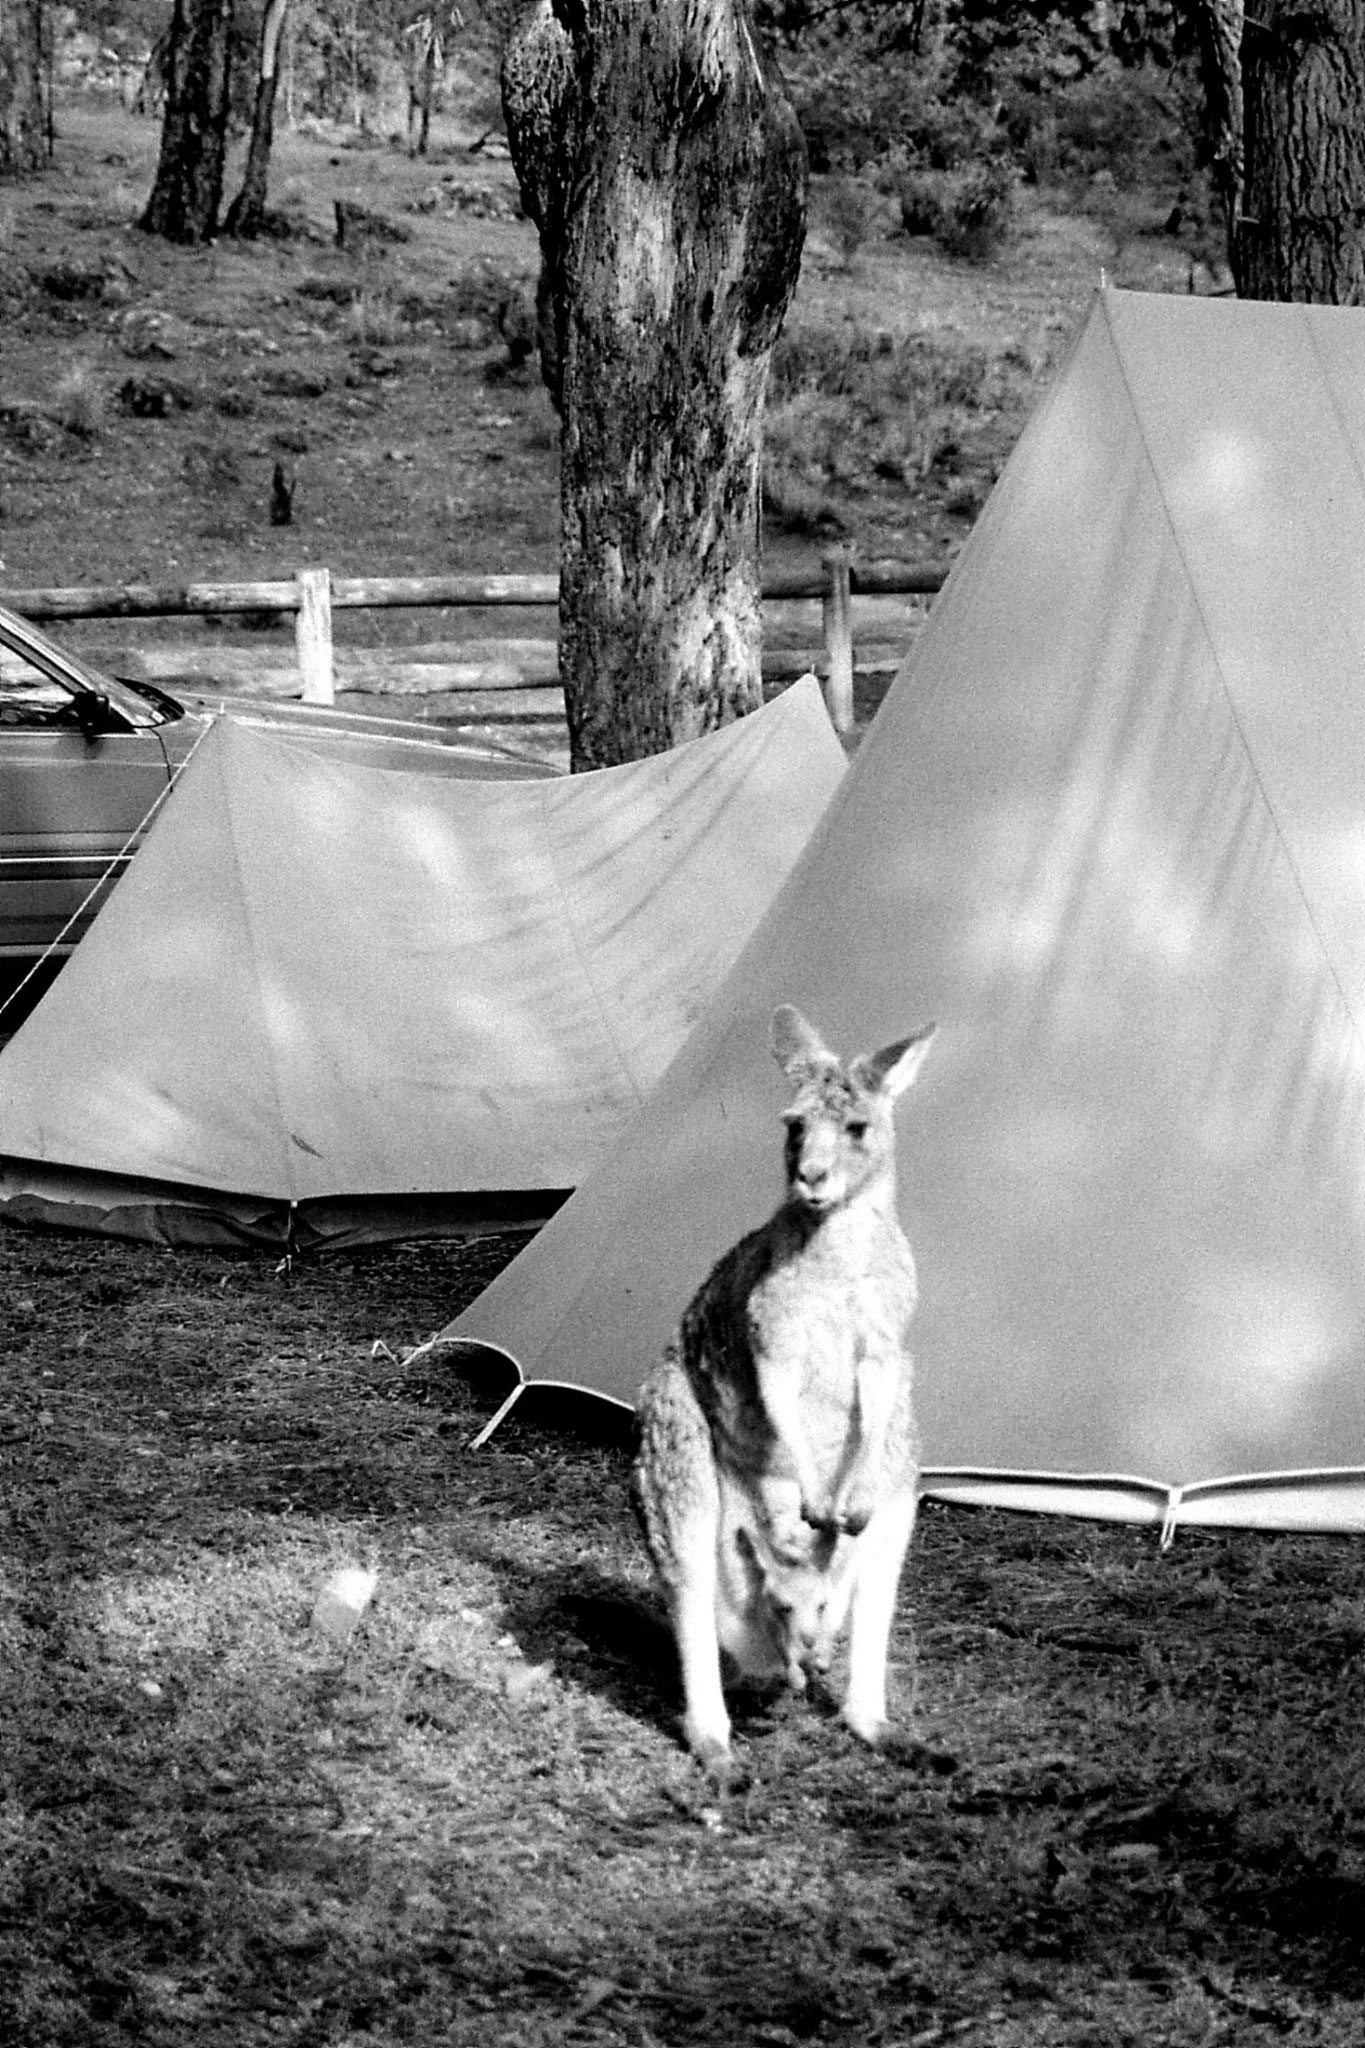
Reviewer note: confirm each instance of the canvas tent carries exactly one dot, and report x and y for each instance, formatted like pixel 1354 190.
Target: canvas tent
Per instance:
pixel 1108 829
pixel 350 1002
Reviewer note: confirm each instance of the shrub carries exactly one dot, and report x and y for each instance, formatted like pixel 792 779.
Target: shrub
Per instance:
pixel 1140 124
pixel 977 212
pixel 848 207
pixel 80 402
pixel 848 408
pixel 855 111
pixel 335 291
pixel 883 373
pixel 970 211
pixel 372 319
pixel 921 201
pixel 1121 122
pixel 793 504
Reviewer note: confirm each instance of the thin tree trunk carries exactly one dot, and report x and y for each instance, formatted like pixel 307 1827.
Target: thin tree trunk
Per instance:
pixel 188 189
pixel 662 163
pixel 357 100
pixel 246 215
pixel 1219 28
pixel 21 87
pixel 430 63
pixel 1302 231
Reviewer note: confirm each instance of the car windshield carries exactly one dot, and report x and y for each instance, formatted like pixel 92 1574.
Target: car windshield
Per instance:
pixel 28 697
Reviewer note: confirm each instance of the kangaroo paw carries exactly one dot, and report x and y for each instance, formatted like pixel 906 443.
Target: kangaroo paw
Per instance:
pixel 853 1507
pixel 791 1538
pixel 716 1759
pixel 823 1517
pixel 871 1728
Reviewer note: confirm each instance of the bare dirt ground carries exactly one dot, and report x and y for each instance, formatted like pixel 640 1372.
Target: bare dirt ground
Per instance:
pixel 1129 1808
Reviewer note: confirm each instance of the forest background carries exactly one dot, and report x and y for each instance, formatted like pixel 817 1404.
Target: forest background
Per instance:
pixel 976 172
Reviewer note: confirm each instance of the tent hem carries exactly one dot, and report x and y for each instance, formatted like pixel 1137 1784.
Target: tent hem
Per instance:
pixel 1325 1500
pixel 185 1217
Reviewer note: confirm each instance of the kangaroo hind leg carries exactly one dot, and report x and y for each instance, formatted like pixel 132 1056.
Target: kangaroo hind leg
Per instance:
pixel 677 1497
pixel 881 1554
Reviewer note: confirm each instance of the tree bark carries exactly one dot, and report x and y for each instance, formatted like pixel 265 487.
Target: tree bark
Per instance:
pixel 1219 27
pixel 422 60
pixel 188 189
pixel 1302 230
pixel 246 215
pixel 663 165
pixel 430 65
pixel 21 87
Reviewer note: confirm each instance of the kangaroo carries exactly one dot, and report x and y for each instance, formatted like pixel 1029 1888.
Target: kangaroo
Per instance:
pixel 777 1472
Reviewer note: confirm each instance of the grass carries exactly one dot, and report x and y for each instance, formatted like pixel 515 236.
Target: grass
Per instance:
pixel 852 409
pixel 1139 1816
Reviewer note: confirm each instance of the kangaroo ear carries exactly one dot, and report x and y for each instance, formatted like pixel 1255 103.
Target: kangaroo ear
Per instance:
pixel 893 1068
pixel 797 1046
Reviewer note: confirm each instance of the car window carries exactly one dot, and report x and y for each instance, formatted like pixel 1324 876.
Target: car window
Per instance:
pixel 28 697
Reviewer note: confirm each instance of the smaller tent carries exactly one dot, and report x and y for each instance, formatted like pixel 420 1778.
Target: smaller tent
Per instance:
pixel 349 1002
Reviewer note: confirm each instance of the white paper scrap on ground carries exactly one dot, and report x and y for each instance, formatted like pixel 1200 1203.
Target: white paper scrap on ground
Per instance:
pixel 342 1601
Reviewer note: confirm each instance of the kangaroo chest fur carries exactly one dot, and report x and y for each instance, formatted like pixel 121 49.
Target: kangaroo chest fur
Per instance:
pixel 807 1314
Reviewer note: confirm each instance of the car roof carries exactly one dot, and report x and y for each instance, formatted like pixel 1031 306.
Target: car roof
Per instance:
pixel 361 733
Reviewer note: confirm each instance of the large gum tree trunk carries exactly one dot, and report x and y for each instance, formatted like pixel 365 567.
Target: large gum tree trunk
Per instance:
pixel 1302 229
pixel 21 87
pixel 663 165
pixel 246 215
pixel 188 189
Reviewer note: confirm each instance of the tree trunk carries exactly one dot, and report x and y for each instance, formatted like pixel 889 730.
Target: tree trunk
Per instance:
pixel 430 63
pixel 246 215
pixel 663 166
pixel 21 87
pixel 1219 27
pixel 1302 230
pixel 185 197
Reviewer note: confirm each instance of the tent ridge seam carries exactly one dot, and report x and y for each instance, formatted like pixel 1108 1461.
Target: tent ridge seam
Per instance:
pixel 1272 812
pixel 1307 325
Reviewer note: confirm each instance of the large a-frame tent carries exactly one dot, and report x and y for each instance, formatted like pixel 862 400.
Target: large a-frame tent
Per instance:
pixel 344 1002
pixel 1108 830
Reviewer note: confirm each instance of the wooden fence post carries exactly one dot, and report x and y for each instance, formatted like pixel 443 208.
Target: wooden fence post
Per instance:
pixel 838 610
pixel 313 635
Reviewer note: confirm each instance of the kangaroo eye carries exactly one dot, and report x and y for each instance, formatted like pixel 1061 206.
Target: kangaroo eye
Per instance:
pixel 857 1128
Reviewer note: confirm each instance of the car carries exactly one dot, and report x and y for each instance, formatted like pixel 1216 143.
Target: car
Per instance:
pixel 85 759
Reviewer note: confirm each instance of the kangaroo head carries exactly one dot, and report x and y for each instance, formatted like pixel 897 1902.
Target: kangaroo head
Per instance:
pixel 840 1130
pixel 789 1608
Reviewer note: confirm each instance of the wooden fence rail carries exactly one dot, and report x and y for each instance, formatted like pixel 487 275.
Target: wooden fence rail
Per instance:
pixel 314 594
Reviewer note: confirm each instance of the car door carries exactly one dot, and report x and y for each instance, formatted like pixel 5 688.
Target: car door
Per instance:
pixel 69 806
